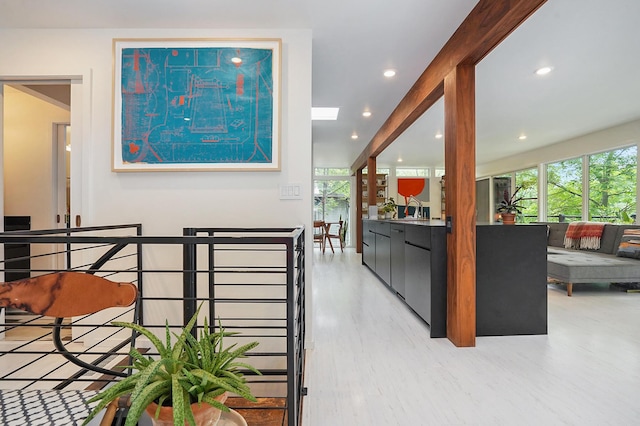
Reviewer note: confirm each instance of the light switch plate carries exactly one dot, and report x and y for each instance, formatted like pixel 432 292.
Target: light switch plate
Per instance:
pixel 291 191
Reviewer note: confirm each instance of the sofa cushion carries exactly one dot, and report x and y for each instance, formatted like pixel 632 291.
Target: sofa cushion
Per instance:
pixel 619 233
pixel 578 266
pixel 556 233
pixel 630 244
pixel 608 240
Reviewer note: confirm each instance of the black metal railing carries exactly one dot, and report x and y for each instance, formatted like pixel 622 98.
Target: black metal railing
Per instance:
pixel 251 280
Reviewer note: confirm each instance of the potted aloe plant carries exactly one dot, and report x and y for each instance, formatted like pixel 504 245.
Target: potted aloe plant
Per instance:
pixel 184 378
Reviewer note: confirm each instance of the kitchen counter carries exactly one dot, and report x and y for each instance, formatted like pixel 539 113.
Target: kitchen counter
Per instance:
pixel 409 256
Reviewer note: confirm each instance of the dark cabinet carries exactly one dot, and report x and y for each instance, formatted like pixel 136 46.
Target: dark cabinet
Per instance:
pixel 426 275
pixel 511 275
pixel 397 259
pixel 412 260
pixel 17 256
pixel 504 306
pixel 376 248
pixel 418 280
pixel 383 251
pixel 368 245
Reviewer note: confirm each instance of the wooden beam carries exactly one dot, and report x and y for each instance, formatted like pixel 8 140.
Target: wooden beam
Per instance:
pixel 490 22
pixel 460 203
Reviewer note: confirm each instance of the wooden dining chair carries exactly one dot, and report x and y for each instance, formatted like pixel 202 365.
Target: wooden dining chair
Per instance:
pixel 319 233
pixel 334 230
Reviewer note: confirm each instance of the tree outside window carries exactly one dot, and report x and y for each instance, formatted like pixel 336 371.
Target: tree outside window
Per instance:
pixel 564 191
pixel 612 185
pixel 331 201
pixel 527 180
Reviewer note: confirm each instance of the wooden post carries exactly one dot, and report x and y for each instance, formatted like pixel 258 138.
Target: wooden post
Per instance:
pixel 460 204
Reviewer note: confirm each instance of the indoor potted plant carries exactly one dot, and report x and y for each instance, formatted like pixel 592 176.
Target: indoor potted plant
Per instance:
pixel 509 207
pixel 183 378
pixel 389 208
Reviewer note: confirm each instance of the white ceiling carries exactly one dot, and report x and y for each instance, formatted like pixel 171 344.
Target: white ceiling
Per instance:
pixel 592 45
pixel 594 49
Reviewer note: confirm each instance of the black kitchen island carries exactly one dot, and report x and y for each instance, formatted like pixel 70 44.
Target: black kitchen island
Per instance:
pixel 410 258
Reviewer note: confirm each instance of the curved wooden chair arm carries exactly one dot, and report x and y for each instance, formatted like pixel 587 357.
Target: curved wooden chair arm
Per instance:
pixel 66 294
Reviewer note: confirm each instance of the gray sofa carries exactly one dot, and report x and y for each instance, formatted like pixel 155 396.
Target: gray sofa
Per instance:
pixel 589 266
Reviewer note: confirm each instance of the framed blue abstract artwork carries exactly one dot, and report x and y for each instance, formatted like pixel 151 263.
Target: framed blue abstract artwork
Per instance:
pixel 196 104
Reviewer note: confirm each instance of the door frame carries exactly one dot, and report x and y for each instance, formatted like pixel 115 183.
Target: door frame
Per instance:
pixel 80 130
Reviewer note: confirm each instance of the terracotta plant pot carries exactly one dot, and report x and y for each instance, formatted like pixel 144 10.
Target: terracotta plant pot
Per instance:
pixel 508 218
pixel 205 414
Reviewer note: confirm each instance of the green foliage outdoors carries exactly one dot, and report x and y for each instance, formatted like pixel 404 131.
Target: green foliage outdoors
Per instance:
pixel 564 189
pixel 191 370
pixel 527 181
pixel 331 199
pixel 612 187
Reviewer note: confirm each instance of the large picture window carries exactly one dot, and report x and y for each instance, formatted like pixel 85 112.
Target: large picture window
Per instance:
pixel 612 185
pixel 527 180
pixel 564 190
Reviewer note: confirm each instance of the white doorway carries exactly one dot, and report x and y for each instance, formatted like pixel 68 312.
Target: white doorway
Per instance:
pixel 37 178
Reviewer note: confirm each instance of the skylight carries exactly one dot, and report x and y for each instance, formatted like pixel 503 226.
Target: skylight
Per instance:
pixel 321 113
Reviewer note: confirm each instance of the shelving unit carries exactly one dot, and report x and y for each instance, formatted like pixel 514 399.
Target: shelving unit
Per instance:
pixel 381 193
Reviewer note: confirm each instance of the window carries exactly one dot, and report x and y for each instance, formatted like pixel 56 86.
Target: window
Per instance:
pixel 528 181
pixel 564 190
pixel 331 201
pixel 332 172
pixel 412 172
pixel 612 185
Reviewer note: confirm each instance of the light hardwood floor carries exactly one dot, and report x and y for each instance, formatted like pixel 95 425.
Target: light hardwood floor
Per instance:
pixel 372 361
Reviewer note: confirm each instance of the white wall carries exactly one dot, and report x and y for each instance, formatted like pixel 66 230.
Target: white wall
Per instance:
pixel 603 140
pixel 166 202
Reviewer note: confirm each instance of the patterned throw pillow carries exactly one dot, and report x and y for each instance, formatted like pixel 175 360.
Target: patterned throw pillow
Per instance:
pixel 630 244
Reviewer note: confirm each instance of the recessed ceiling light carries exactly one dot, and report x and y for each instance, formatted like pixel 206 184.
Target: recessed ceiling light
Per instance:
pixel 389 73
pixel 399 160
pixel 439 135
pixel 321 113
pixel 236 60
pixel 543 70
pixel 354 136
pixel 366 114
pixel 522 137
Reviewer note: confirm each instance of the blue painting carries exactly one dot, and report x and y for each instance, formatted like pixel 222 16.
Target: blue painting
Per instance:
pixel 201 107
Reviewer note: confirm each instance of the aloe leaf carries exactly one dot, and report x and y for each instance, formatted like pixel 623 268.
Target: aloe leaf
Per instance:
pixel 146 397
pixel 146 376
pixel 167 335
pixel 147 333
pixel 177 400
pixel 247 366
pixel 106 400
pixel 124 385
pixel 210 399
pixel 177 349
